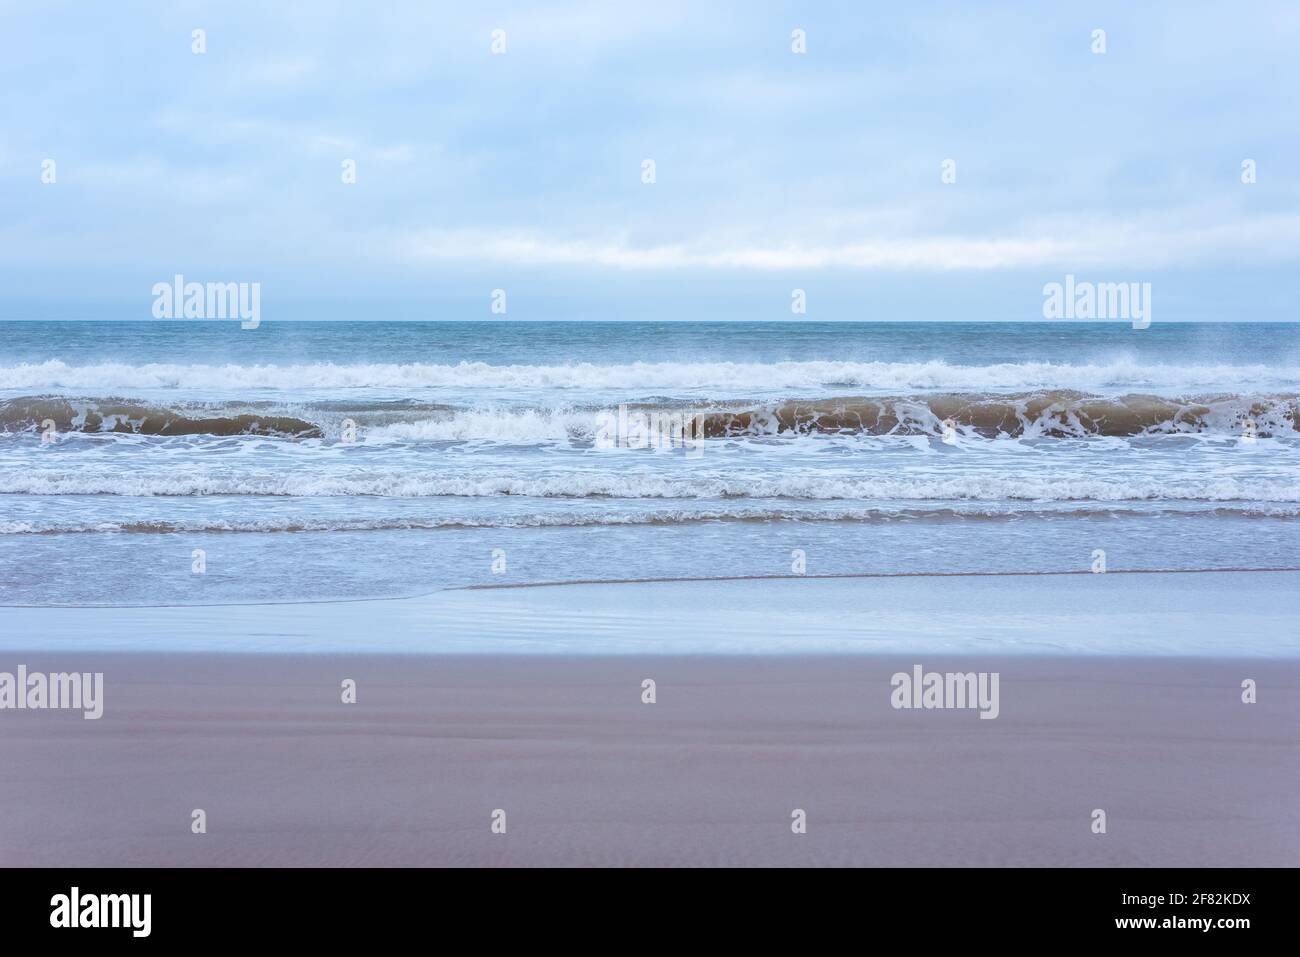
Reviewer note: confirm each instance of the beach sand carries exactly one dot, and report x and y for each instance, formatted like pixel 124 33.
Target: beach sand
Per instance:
pixel 708 775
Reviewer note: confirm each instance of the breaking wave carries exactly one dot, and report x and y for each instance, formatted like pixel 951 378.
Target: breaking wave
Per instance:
pixel 121 416
pixel 724 377
pixel 676 516
pixel 622 485
pixel 1049 414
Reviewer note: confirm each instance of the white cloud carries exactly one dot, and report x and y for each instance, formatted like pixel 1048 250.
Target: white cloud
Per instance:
pixel 1117 244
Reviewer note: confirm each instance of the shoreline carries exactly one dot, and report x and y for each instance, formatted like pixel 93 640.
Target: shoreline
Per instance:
pixel 1174 614
pixel 814 576
pixel 841 575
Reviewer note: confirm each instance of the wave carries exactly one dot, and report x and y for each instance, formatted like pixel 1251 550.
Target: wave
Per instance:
pixel 1051 414
pixel 120 416
pixel 868 515
pixel 724 377
pixel 595 485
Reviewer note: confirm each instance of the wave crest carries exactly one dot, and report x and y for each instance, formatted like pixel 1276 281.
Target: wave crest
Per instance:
pixel 1052 414
pixel 621 485
pixel 671 516
pixel 134 418
pixel 722 377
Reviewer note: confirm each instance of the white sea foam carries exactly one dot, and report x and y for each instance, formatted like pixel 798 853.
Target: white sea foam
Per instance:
pixel 491 425
pixel 643 516
pixel 728 378
pixel 592 484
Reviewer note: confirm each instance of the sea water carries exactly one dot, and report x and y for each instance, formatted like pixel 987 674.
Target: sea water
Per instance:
pixel 195 462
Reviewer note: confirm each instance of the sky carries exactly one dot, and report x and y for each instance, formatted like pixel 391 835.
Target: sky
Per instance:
pixel 774 170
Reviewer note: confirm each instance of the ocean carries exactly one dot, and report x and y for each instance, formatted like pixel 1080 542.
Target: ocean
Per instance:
pixel 194 463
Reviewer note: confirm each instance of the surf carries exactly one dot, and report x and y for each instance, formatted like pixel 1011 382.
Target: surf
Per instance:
pixel 719 376
pixel 1031 415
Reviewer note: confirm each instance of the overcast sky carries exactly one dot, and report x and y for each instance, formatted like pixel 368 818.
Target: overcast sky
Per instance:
pixel 774 170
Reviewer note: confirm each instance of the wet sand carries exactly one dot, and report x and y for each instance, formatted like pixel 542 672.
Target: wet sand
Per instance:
pixel 708 775
pixel 1235 614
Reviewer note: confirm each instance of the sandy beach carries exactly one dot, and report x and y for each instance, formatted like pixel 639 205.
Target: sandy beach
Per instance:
pixel 1115 692
pixel 707 775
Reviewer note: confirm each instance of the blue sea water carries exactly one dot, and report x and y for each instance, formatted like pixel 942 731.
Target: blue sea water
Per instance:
pixel 369 459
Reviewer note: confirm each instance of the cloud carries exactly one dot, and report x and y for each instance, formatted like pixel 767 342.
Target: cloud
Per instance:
pixel 1111 244
pixel 768 162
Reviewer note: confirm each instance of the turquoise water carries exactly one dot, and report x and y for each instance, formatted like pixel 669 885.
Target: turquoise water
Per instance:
pixel 369 459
